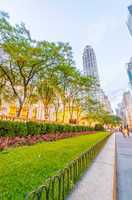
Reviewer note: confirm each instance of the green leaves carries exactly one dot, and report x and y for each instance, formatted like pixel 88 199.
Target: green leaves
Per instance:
pixel 34 71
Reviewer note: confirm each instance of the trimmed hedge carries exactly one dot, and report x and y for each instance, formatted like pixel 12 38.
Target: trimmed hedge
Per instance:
pixel 9 128
pixel 13 128
pixel 99 127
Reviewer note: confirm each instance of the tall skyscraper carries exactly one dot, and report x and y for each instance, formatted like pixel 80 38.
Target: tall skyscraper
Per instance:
pixel 129 71
pixel 90 69
pixel 90 63
pixel 129 22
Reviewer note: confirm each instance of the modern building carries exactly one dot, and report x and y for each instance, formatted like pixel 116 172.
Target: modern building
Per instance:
pixel 104 100
pixel 129 24
pixel 129 21
pixel 129 71
pixel 124 109
pixel 127 102
pixel 90 69
pixel 120 110
pixel 90 63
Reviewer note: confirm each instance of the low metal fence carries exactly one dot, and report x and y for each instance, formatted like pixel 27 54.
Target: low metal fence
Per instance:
pixel 57 187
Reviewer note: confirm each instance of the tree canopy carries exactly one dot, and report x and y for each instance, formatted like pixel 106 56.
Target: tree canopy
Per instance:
pixel 34 71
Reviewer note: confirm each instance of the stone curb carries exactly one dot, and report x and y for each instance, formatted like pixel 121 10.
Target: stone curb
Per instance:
pixel 115 174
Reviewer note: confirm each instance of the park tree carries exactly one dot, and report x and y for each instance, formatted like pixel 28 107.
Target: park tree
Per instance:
pixel 32 71
pixel 46 89
pixel 93 110
pixel 78 90
pixel 49 87
pixel 65 75
pixel 21 68
pixel 23 59
pixel 26 59
pixel 111 120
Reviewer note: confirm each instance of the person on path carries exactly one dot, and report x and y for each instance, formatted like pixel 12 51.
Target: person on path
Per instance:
pixel 127 130
pixel 122 130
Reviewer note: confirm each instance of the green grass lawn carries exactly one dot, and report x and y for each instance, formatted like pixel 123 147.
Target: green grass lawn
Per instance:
pixel 23 169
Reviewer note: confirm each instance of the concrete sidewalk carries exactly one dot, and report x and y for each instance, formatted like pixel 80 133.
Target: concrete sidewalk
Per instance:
pixel 124 167
pixel 97 183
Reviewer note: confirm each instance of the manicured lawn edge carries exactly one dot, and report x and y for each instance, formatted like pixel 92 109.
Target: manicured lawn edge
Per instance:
pixel 15 133
pixel 6 142
pixel 23 169
pixel 61 184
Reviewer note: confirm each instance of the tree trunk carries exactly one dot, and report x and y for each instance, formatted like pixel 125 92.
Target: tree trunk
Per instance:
pixel 56 115
pixel 56 107
pixel 19 109
pixel 56 112
pixel 46 112
pixel 64 109
pixel 71 113
pixel 71 109
pixel 21 102
pixel 78 117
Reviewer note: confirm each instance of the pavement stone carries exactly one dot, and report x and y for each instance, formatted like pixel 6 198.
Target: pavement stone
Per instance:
pixel 124 167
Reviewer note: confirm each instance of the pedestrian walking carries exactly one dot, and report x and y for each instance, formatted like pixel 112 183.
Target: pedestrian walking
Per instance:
pixel 127 130
pixel 122 130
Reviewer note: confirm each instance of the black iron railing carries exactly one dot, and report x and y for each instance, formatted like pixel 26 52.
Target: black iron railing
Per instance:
pixel 57 187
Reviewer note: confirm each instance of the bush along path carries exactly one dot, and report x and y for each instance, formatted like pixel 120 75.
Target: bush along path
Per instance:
pixel 14 128
pixel 27 133
pixel 25 168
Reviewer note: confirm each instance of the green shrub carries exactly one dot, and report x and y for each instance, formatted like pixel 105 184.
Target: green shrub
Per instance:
pixel 19 128
pixel 60 128
pixel 36 128
pixel 99 127
pixel 14 128
pixel 11 128
pixel 33 128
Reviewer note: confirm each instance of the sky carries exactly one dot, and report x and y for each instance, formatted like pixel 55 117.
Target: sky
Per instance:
pixel 99 23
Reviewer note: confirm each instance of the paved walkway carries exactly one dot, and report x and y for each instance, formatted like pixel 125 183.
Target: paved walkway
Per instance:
pixel 97 183
pixel 124 167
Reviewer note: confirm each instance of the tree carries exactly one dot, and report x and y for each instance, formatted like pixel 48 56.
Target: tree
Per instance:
pixel 65 75
pixel 50 84
pixel 32 71
pixel 23 60
pixel 78 90
pixel 46 92
pixel 111 120
pixel 26 59
pixel 93 111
